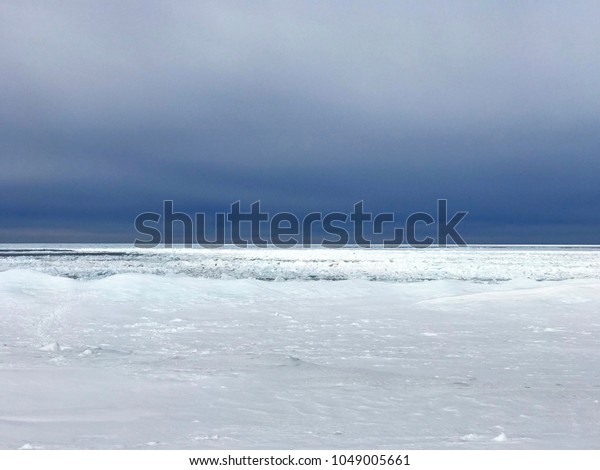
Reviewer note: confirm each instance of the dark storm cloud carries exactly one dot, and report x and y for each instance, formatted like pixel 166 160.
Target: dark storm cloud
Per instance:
pixel 110 107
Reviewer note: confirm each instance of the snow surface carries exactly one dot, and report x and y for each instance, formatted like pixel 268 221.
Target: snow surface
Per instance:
pixel 114 347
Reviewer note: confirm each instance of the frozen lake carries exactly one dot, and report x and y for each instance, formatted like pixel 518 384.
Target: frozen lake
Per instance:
pixel 458 348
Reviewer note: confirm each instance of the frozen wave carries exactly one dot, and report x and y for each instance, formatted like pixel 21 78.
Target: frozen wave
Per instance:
pixel 480 264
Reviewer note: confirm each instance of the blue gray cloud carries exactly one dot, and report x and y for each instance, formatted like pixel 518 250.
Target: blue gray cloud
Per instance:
pixel 109 107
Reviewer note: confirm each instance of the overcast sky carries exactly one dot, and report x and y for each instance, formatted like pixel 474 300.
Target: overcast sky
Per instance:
pixel 110 107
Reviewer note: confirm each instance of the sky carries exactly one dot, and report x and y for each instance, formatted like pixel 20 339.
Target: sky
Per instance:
pixel 108 108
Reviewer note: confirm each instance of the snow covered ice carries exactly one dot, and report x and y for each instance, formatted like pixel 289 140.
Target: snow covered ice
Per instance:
pixel 458 348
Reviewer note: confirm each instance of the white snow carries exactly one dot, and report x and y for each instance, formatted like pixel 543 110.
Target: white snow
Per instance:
pixel 494 348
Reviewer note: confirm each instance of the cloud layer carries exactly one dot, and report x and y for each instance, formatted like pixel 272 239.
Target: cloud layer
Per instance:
pixel 109 108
